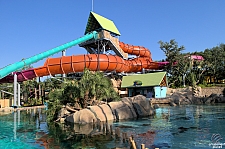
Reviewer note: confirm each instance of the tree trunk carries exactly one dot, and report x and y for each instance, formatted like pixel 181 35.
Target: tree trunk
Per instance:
pixel 85 99
pixel 92 100
pixel 35 95
pixel 39 91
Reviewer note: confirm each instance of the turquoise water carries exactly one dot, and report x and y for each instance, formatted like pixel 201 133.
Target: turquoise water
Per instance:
pixel 19 130
pixel 187 127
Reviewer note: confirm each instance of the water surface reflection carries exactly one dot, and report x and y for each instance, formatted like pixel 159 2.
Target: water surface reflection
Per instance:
pixel 171 127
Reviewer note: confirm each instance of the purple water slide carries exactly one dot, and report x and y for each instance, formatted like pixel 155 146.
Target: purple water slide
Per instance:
pixel 21 76
pixel 162 64
pixel 197 57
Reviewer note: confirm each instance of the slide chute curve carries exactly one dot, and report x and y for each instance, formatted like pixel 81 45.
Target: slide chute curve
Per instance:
pixel 94 62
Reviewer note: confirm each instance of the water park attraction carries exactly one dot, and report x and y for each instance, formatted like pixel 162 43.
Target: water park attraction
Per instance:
pixel 101 35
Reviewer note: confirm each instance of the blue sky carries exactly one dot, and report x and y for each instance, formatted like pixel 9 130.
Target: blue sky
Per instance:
pixel 29 27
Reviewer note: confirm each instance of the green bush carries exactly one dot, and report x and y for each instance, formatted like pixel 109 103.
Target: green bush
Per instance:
pixel 202 85
pixel 54 104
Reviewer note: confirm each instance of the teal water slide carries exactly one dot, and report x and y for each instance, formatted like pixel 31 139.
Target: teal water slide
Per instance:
pixel 26 62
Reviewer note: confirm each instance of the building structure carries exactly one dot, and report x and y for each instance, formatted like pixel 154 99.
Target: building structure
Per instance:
pixel 151 85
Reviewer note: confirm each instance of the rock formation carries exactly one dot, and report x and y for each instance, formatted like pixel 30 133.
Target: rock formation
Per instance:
pixel 188 96
pixel 127 108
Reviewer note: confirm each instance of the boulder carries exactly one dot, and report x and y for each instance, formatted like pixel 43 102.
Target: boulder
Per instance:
pixel 129 103
pixel 82 117
pixel 107 112
pixel 182 98
pixel 114 106
pixel 223 99
pixel 185 101
pixel 98 113
pixel 121 110
pixel 142 106
pixel 63 112
pixel 155 106
pixel 172 104
pixel 123 113
pixel 210 99
pixel 219 99
pixel 176 98
pixel 196 100
pixel 127 100
pixel 83 129
pixel 62 120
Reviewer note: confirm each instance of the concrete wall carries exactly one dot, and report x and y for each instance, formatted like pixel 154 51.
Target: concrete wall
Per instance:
pixel 5 103
pixel 201 92
pixel 211 90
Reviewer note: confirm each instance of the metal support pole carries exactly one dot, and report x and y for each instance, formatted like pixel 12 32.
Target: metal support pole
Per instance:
pixel 18 117
pixel 18 97
pixel 98 56
pixel 143 70
pixel 15 123
pixel 64 54
pixel 15 90
pixel 184 80
pixel 103 48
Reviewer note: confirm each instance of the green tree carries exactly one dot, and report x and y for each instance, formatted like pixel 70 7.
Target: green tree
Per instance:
pixel 54 104
pixel 52 83
pixel 71 93
pixel 28 90
pixel 92 87
pixel 177 67
pixel 215 61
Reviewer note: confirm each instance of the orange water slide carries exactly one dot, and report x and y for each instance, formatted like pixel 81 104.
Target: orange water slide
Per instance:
pixel 136 50
pixel 101 62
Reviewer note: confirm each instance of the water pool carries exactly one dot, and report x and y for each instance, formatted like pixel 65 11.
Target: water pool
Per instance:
pixel 195 127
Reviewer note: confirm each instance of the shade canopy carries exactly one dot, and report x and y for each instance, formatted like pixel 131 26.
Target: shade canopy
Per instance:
pixel 97 22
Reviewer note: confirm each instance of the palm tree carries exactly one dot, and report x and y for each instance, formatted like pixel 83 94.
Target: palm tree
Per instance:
pixel 95 86
pixel 87 87
pixel 71 93
pixel 28 89
pixel 92 87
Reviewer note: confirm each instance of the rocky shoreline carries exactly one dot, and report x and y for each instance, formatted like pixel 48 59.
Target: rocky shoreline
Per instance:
pixel 187 97
pixel 129 107
pixel 135 107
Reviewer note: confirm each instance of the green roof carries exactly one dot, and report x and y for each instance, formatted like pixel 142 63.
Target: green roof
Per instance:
pixel 96 22
pixel 149 79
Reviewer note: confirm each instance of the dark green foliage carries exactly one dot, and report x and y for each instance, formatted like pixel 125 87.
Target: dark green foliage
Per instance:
pixel 215 62
pixel 92 87
pixel 184 71
pixel 52 83
pixel 71 93
pixel 178 65
pixel 95 86
pixel 8 87
pixel 54 104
